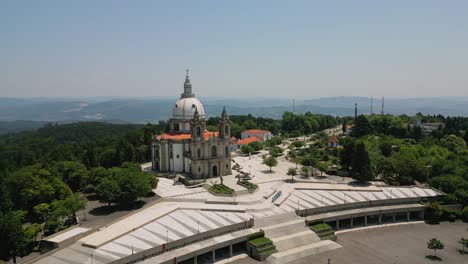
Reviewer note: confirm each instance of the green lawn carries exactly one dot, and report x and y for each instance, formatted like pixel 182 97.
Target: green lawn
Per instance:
pixel 320 226
pixel 259 241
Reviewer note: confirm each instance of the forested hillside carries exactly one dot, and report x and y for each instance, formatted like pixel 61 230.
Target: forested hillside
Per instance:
pixel 45 173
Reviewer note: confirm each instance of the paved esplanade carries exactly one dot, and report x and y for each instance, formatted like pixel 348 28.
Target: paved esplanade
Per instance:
pixel 185 211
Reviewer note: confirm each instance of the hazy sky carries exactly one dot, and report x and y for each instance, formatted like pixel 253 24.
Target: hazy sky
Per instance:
pixel 301 49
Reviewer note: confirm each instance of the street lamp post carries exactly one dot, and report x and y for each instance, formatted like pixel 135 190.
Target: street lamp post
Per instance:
pixel 84 213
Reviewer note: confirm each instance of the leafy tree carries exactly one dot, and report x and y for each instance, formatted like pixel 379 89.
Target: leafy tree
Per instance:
pixel 275 151
pixel 236 129
pixel 257 146
pixel 32 231
pixel 273 141
pixel 292 172
pixel 73 173
pixel 454 143
pixel 388 168
pixel 5 201
pixel 386 147
pixel 433 213
pixel 361 127
pixel 297 144
pixel 129 153
pixel 270 162
pixel 322 167
pixel 212 128
pixel 64 211
pixel 124 185
pixel 309 161
pixel 361 170
pixel 108 191
pixel 33 185
pixel 41 211
pixel 249 124
pixel 435 245
pixel 347 153
pixel 13 241
pixel 247 149
pixel 305 170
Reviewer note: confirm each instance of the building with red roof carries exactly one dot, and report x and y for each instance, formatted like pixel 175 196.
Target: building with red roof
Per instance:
pixel 248 140
pixel 333 142
pixel 348 130
pixel 258 133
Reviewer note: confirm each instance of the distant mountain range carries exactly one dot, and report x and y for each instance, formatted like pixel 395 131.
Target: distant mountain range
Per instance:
pixel 141 110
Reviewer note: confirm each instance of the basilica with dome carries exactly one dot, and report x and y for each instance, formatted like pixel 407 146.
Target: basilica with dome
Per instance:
pixel 188 148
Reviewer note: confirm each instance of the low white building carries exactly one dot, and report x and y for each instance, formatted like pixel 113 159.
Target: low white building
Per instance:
pixel 261 134
pixel 428 128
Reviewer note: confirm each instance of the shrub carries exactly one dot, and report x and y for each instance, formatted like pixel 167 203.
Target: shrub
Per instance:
pixel 433 213
pixel 464 214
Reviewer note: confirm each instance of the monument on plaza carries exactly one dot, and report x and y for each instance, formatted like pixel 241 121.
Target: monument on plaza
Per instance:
pixel 188 147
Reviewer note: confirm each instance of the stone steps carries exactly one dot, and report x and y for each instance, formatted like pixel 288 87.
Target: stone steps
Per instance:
pixel 285 230
pixel 287 242
pixel 302 252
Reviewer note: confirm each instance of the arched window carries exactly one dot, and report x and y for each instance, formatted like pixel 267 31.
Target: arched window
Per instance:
pixel 226 130
pixel 198 131
pixel 227 151
pixel 213 151
pixel 199 153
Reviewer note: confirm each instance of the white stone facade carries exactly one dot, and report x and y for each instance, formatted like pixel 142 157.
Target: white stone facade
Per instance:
pixel 188 147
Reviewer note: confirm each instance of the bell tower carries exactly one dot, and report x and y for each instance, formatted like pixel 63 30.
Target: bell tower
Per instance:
pixel 197 127
pixel 224 126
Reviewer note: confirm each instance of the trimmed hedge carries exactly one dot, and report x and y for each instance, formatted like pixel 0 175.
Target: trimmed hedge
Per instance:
pixel 221 189
pixel 248 185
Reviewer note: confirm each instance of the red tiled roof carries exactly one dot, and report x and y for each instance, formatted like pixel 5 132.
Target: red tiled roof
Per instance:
pixel 248 140
pixel 333 139
pixel 256 131
pixel 208 134
pixel 233 139
pixel 349 126
pixel 182 136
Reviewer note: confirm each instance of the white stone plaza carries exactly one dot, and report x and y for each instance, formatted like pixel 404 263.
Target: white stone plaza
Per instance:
pixel 183 213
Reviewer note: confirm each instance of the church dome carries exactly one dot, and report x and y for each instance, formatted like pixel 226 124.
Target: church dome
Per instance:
pixel 184 108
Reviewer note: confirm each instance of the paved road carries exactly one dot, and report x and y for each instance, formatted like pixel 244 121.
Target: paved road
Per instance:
pixel 396 244
pixel 390 245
